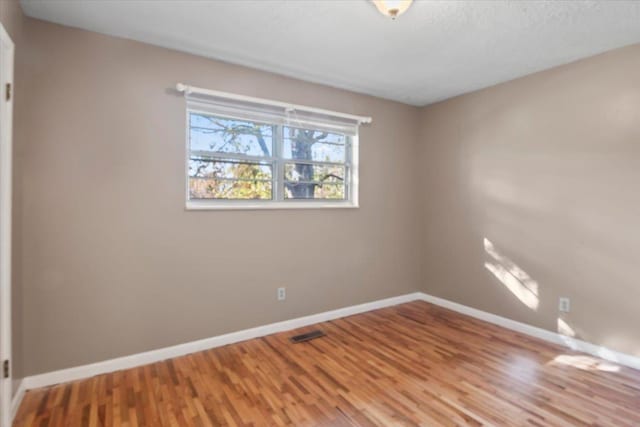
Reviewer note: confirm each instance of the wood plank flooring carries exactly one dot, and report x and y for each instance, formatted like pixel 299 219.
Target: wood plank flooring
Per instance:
pixel 412 364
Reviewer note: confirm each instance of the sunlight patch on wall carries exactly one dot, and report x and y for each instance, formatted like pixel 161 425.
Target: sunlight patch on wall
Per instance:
pixel 567 335
pixel 565 329
pixel 512 276
pixel 585 363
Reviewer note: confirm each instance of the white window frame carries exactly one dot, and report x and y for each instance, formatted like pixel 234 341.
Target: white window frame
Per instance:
pixel 278 201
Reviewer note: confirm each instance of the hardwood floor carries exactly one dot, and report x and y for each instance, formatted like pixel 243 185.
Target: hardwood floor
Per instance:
pixel 412 364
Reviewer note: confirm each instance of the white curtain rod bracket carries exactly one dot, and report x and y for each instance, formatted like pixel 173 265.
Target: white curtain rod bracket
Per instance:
pixel 288 108
pixel 183 88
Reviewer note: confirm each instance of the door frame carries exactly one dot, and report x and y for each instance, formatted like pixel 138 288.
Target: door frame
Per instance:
pixel 7 49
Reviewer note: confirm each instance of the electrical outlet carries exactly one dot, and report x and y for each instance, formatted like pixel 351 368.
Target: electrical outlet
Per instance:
pixel 564 305
pixel 282 294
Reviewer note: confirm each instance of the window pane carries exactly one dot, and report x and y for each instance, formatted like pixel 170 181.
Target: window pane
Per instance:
pixel 220 135
pixel 229 179
pixel 317 173
pixel 209 168
pixel 202 188
pixel 295 190
pixel 319 146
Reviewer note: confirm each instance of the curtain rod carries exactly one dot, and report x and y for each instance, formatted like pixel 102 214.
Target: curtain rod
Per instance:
pixel 186 89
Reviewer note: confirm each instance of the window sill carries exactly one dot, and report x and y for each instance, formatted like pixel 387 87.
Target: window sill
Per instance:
pixel 250 205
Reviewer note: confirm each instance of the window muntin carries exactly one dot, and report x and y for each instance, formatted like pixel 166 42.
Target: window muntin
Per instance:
pixel 235 161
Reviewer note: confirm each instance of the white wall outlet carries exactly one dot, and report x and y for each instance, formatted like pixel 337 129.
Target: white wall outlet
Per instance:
pixel 282 294
pixel 564 305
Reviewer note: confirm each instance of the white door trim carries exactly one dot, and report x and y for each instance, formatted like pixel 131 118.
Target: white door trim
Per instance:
pixel 6 113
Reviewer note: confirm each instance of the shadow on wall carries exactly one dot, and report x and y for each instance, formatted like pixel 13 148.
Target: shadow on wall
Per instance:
pixel 512 276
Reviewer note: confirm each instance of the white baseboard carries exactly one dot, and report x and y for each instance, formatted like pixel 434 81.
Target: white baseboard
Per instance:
pixel 17 399
pixel 553 337
pixel 86 371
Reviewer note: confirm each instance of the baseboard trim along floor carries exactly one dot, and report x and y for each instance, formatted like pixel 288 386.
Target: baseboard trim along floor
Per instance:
pixel 86 371
pixel 543 334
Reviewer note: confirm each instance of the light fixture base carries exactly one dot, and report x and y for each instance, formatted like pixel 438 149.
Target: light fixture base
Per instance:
pixel 392 8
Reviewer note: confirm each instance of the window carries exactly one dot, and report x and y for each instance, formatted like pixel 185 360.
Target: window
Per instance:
pixel 230 159
pixel 240 157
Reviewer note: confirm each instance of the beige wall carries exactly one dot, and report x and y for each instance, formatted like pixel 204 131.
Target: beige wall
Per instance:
pixel 13 20
pixel 112 263
pixel 547 168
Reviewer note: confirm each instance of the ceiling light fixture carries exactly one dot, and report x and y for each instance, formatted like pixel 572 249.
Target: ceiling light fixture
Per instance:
pixel 392 8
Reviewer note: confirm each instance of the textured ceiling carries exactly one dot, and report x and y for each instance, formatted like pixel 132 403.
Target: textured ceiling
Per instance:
pixel 436 50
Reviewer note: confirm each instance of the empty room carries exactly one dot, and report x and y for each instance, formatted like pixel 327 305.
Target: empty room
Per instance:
pixel 319 213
